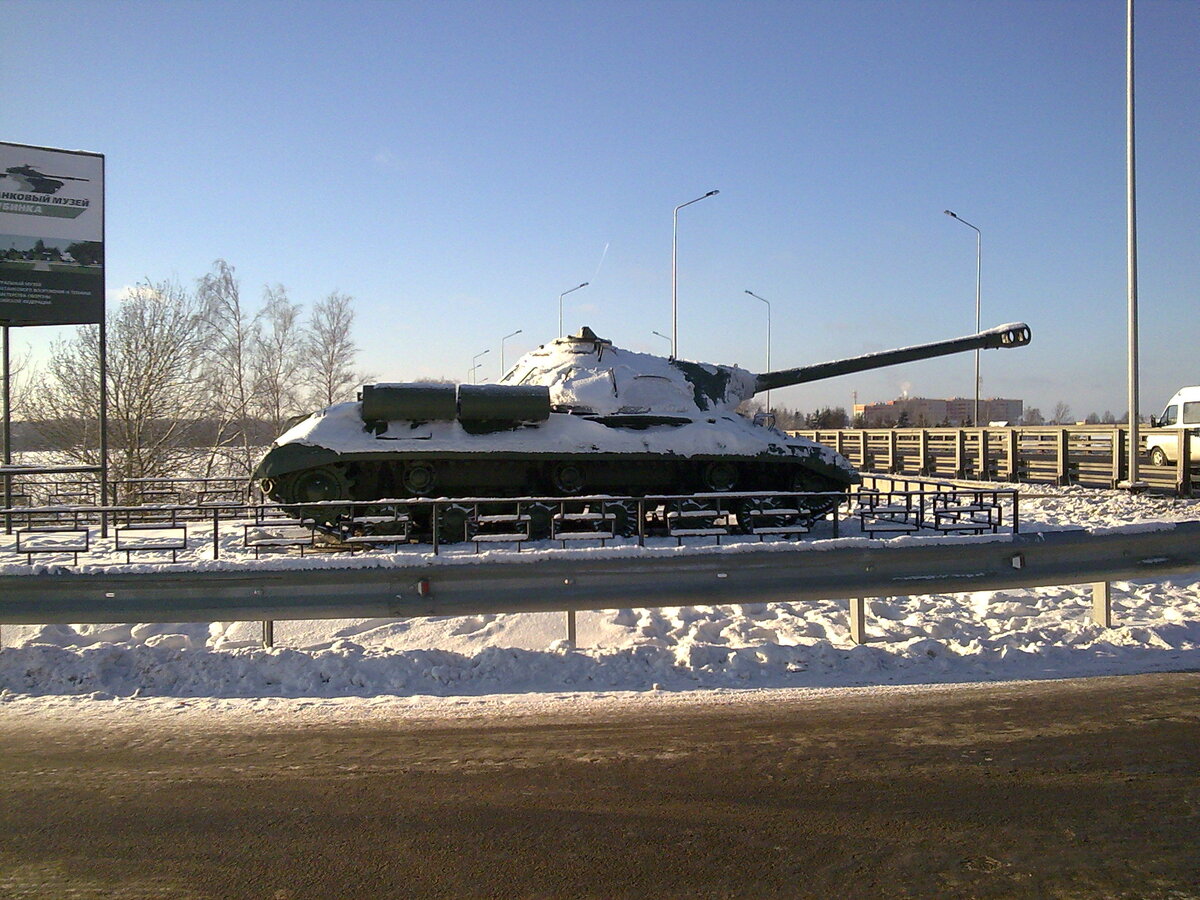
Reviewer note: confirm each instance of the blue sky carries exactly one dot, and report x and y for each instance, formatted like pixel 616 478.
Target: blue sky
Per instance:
pixel 456 166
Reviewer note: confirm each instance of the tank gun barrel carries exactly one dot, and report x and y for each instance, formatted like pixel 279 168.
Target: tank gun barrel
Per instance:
pixel 1016 334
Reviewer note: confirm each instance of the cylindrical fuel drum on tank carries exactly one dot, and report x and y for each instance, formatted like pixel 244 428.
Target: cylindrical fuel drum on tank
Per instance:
pixel 408 402
pixel 503 402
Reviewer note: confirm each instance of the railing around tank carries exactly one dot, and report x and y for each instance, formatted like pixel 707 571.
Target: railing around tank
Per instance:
pixel 80 485
pixel 1088 455
pixel 186 534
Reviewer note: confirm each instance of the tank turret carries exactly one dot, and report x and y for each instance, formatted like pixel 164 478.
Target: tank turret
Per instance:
pixel 586 375
pixel 576 416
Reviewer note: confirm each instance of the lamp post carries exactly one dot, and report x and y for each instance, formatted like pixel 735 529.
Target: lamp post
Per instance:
pixel 475 365
pixel 768 302
pixel 663 336
pixel 560 296
pixel 978 270
pixel 1134 483
pixel 674 286
pixel 504 371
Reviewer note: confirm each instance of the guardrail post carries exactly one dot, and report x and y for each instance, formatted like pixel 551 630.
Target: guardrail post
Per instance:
pixel 268 634
pixel 1011 455
pixel 893 448
pixel 571 633
pixel 923 452
pixel 960 453
pixel 858 620
pixel 983 469
pixel 1102 604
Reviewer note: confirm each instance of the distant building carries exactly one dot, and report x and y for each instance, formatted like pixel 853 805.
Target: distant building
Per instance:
pixel 925 412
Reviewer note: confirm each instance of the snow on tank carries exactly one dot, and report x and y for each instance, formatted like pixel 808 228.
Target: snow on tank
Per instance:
pixel 587 375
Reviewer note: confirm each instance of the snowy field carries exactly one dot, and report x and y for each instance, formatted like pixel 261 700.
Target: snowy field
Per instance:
pixel 637 651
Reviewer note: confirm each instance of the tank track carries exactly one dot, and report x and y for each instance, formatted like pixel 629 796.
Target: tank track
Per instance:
pixel 341 499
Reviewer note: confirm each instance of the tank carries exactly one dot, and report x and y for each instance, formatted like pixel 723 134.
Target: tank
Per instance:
pixel 577 416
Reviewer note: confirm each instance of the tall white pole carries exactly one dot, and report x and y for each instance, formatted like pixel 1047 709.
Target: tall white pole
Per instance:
pixel 768 302
pixel 674 284
pixel 560 305
pixel 978 283
pixel 475 364
pixel 504 371
pixel 1131 204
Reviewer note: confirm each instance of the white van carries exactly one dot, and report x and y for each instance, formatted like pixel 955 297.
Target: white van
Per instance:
pixel 1182 412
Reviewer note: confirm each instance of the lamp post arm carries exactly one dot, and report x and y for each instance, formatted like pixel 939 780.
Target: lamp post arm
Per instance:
pixel 674 270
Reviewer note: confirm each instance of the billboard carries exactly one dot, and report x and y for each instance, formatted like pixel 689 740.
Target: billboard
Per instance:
pixel 51 236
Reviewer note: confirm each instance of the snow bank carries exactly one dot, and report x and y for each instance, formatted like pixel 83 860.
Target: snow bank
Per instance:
pixel 917 639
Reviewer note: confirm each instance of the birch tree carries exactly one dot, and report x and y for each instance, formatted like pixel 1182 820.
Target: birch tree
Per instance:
pixel 230 335
pixel 277 359
pixel 331 350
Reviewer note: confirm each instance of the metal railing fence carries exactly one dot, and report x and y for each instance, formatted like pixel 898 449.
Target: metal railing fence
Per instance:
pixel 215 529
pixel 1087 455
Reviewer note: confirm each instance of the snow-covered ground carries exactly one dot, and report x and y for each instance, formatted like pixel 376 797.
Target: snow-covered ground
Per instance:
pixel 500 659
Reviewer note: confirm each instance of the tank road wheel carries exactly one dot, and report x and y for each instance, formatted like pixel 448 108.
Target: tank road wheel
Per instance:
pixel 567 478
pixel 322 485
pixel 625 517
pixel 419 479
pixel 751 508
pixel 719 476
pixel 541 518
pixel 452 524
pixel 817 507
pixel 1158 458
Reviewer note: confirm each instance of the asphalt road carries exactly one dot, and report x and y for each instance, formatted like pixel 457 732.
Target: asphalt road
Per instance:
pixel 1081 788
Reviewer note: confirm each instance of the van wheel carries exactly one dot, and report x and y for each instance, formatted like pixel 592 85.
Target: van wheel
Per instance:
pixel 1158 458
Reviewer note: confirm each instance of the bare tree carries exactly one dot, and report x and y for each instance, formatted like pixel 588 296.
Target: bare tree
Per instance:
pixel 21 385
pixel 331 350
pixel 277 357
pixel 1062 413
pixel 230 336
pixel 154 366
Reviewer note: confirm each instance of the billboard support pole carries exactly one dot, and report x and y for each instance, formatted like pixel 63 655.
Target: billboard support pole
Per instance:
pixel 7 391
pixel 103 428
pixel 7 400
pixel 103 376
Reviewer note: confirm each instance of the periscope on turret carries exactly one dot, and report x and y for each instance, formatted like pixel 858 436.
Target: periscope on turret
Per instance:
pixel 576 416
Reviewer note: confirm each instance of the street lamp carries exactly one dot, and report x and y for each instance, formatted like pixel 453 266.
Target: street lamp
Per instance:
pixel 475 365
pixel 674 291
pixel 503 371
pixel 768 302
pixel 978 270
pixel 560 296
pixel 661 335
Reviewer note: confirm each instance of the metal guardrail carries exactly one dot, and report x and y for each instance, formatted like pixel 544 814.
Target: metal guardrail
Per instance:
pixel 539 583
